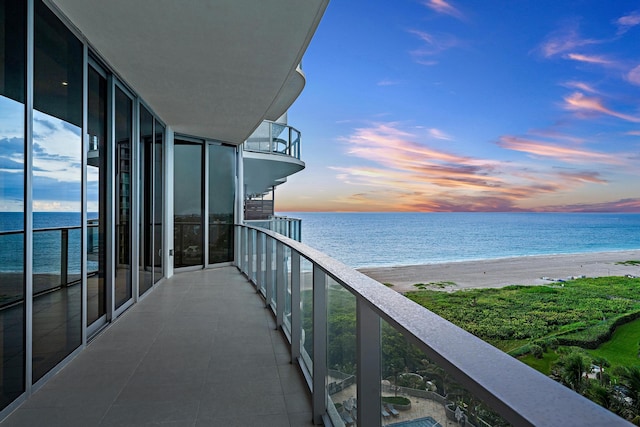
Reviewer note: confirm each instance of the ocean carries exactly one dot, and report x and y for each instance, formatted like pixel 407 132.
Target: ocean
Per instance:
pixel 388 239
pixel 391 239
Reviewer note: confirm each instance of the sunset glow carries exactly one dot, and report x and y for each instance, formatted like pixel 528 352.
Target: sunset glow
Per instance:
pixel 441 105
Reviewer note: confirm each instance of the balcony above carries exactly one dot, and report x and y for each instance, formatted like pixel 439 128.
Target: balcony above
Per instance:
pixel 210 69
pixel 271 154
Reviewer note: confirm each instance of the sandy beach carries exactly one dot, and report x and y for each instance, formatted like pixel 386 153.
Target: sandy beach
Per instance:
pixel 529 270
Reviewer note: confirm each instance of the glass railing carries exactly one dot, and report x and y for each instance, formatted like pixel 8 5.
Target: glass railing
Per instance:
pixel 276 138
pixel 372 357
pixel 288 227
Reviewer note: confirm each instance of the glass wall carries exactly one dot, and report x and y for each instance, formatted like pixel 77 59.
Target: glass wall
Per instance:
pixel 188 204
pixel 158 201
pixel 123 136
pixel 96 195
pixel 222 176
pixel 151 199
pixel 146 152
pixel 12 302
pixel 57 191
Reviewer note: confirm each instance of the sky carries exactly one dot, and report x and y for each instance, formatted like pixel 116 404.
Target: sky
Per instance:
pixel 445 105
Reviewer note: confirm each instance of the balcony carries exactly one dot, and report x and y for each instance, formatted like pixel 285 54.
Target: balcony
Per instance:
pixel 202 350
pixel 271 154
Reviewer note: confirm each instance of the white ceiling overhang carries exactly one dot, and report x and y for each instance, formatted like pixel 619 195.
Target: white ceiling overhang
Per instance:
pixel 212 69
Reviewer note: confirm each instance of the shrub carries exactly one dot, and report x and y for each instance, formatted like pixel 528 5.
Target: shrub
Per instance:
pixel 537 351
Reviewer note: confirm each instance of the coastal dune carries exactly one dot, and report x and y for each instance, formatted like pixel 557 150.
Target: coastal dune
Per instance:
pixel 494 273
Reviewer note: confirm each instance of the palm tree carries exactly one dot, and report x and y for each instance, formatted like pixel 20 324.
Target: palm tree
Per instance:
pixel 602 363
pixel 630 380
pixel 571 369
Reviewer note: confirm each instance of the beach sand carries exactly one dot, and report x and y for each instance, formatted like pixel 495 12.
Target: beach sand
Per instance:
pixel 495 273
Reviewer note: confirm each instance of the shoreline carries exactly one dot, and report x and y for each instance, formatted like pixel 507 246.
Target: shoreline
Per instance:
pixel 500 272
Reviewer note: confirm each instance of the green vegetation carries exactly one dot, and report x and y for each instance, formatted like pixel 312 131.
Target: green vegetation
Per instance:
pixel 581 312
pixel 630 262
pixel 396 400
pixel 623 347
pixel 441 285
pixel 563 330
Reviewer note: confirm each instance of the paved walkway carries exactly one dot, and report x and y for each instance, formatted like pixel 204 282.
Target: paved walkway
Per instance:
pixel 199 350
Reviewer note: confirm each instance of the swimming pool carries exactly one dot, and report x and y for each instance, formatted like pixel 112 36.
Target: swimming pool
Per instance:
pixel 420 422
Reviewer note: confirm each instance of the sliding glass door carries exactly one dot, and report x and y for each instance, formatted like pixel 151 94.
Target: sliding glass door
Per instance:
pixel 205 177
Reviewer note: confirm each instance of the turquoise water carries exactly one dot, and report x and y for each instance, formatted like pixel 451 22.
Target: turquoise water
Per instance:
pixel 387 239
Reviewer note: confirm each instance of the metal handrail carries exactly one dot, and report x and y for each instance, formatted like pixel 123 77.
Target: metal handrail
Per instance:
pixel 518 393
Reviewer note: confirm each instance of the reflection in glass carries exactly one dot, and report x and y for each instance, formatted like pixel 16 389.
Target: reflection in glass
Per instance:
pixel 409 375
pixel 145 275
pixel 188 204
pixel 12 304
pixel 222 176
pixel 57 191
pixel 158 201
pixel 306 313
pixel 341 353
pixel 123 134
pixel 96 196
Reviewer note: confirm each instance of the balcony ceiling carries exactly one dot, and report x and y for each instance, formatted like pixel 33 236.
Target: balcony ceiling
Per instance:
pixel 209 69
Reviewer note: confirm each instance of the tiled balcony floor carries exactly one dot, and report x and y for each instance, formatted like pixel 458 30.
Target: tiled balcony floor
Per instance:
pixel 199 350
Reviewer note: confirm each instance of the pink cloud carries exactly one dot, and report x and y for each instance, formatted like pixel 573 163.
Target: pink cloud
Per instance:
pixel 592 59
pixel 441 6
pixel 579 102
pixel 634 75
pixel 564 40
pixel 565 154
pixel 404 174
pixel 627 22
pixel 438 134
pixel 585 87
pixel 622 205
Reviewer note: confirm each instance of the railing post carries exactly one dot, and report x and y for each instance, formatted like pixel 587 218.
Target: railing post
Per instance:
pixel 259 263
pixel 319 398
pixel 296 322
pixel 64 256
pixel 368 364
pixel 251 255
pixel 280 284
pixel 268 271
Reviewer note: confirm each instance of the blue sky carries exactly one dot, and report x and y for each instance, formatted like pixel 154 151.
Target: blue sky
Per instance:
pixel 439 105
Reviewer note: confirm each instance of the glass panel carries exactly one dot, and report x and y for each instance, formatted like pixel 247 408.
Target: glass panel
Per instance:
pixel 188 204
pixel 280 138
pixel 287 294
pixel 57 191
pixel 123 134
pixel 222 175
pixel 158 201
pixel 12 304
pixel 259 139
pixel 145 200
pixel 272 271
pixel 58 68
pixel 262 262
pixel 341 353
pixel 306 313
pixel 416 388
pixel 96 196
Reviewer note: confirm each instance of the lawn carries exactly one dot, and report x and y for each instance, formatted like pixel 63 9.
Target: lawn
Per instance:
pixel 622 349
